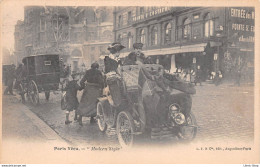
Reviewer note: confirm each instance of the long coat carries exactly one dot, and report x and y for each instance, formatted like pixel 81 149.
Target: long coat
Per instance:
pixel 93 90
pixel 71 95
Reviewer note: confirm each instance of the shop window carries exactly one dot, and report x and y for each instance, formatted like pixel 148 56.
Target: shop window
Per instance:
pixel 186 28
pixel 208 25
pixel 154 37
pixel 168 31
pixel 141 10
pixel 119 21
pixel 129 17
pixel 142 36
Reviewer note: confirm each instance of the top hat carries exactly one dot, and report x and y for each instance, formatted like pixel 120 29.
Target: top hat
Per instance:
pixel 138 45
pixel 115 47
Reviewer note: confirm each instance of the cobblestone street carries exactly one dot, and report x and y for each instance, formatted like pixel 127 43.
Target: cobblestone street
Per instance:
pixel 223 113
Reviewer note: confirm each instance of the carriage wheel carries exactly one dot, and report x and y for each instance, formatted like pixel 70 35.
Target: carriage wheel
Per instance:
pixel 101 118
pixel 33 93
pixel 125 129
pixel 47 95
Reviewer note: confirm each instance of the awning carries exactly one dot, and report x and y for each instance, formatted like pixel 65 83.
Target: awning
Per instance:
pixel 173 50
pixel 179 49
pixel 214 44
pixel 168 51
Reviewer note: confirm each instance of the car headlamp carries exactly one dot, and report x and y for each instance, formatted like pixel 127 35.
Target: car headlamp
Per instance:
pixel 179 118
pixel 174 107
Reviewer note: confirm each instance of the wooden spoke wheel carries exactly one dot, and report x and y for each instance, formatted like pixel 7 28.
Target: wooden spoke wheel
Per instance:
pixel 33 93
pixel 101 118
pixel 125 129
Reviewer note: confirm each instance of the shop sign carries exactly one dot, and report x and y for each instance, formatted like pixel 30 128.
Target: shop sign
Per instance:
pixel 242 26
pixel 151 13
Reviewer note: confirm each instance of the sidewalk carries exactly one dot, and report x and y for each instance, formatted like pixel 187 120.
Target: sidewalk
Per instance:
pixel 19 123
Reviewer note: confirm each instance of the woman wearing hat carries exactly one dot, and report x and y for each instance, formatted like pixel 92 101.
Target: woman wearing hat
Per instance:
pixel 92 90
pixel 112 62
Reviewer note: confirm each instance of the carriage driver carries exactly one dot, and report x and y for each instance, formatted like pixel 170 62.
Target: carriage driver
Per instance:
pixel 136 56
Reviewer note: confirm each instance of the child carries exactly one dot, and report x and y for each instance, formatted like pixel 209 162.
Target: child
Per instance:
pixel 71 98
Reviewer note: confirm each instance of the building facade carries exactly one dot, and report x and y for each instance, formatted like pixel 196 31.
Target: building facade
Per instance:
pixel 63 31
pixel 19 49
pixel 182 37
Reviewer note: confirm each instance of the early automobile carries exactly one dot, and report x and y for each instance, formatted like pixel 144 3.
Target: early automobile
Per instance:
pixel 42 74
pixel 143 99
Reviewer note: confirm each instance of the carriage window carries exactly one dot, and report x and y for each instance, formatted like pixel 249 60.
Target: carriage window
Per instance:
pixel 47 63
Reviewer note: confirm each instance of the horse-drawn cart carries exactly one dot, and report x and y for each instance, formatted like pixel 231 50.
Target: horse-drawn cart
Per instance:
pixel 41 74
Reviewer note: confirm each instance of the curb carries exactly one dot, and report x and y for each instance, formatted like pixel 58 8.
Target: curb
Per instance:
pixel 47 131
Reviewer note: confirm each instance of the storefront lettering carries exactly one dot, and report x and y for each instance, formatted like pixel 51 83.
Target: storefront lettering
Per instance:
pixel 242 13
pixel 243 27
pixel 246 39
pixel 151 14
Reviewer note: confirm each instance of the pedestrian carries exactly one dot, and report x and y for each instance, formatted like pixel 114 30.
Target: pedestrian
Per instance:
pixel 92 90
pixel 198 76
pixel 18 75
pixel 10 81
pixel 238 77
pixel 218 78
pixel 71 99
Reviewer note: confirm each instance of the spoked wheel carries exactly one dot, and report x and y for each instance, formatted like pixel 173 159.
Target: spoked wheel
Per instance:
pixel 33 93
pixel 189 131
pixel 101 119
pixel 125 129
pixel 47 95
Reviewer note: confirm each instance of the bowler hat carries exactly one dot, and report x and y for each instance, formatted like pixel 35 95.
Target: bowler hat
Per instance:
pixel 115 47
pixel 94 65
pixel 138 45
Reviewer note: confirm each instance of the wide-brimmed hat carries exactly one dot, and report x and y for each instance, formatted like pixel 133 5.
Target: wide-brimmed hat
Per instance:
pixel 138 45
pixel 115 47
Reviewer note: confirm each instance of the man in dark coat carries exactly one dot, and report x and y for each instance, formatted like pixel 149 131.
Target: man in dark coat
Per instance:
pixel 72 102
pixel 93 90
pixel 136 56
pixel 10 80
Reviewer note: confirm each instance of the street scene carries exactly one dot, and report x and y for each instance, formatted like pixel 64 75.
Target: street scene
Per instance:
pixel 130 76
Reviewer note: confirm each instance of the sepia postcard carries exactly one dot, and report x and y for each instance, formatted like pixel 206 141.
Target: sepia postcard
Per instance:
pixel 130 82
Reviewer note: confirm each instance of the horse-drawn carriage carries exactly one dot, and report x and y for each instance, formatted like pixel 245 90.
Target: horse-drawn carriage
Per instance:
pixel 141 99
pixel 41 74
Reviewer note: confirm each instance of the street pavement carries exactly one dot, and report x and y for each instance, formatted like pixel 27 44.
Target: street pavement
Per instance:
pixel 223 113
pixel 24 133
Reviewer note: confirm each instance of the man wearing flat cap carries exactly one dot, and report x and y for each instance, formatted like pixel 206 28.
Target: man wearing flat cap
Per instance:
pixel 136 56
pixel 112 61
